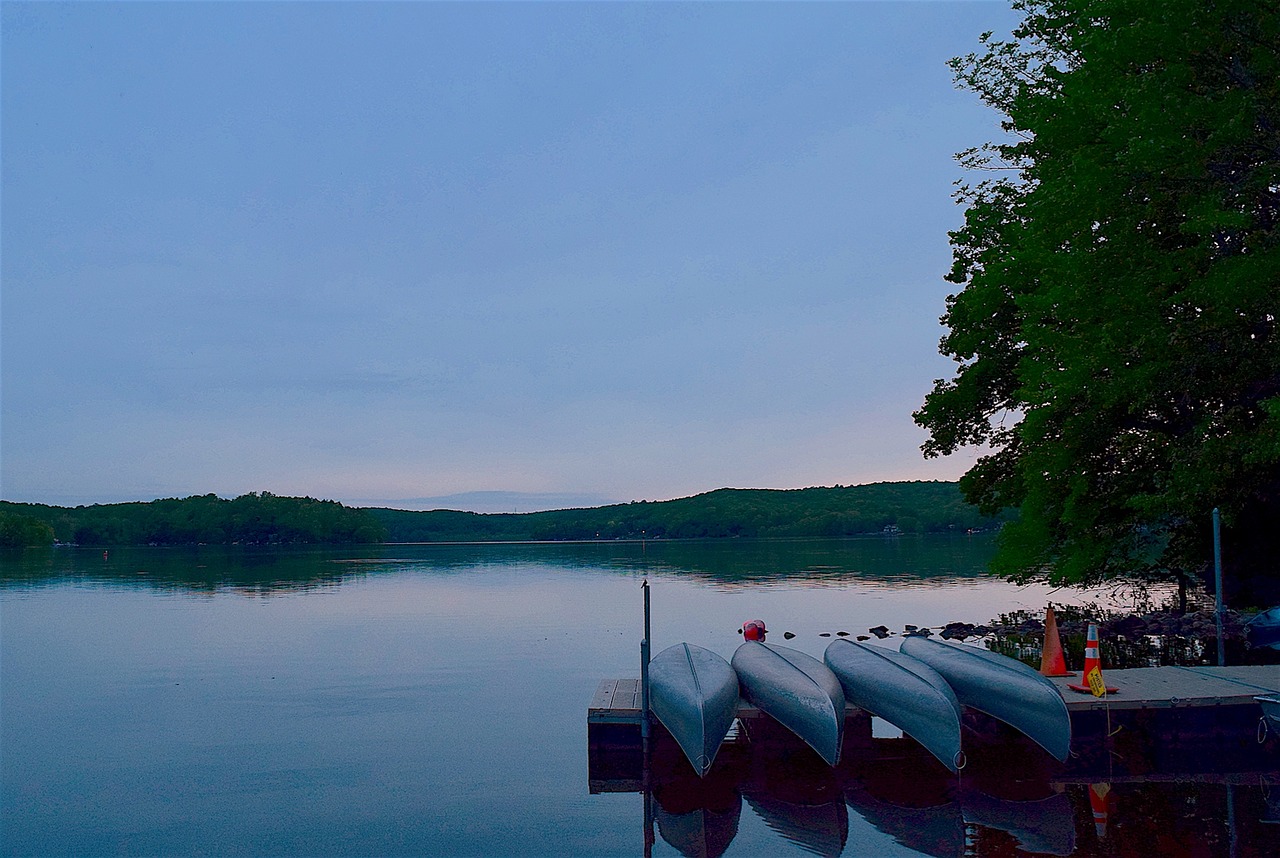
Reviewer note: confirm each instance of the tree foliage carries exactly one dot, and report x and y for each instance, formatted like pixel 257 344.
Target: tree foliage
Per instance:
pixel 913 507
pixel 267 519
pixel 22 531
pixel 1115 333
pixel 252 519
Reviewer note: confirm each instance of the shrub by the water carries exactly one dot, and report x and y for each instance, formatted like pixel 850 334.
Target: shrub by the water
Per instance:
pixel 1149 638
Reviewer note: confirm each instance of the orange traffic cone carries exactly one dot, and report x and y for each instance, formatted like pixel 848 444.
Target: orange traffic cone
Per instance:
pixel 1098 804
pixel 1051 661
pixel 1093 669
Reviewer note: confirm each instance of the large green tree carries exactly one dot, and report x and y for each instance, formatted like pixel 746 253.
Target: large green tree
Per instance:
pixel 21 531
pixel 1115 333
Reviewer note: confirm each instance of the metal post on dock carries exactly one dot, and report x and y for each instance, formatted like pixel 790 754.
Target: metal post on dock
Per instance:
pixel 1217 584
pixel 644 726
pixel 644 668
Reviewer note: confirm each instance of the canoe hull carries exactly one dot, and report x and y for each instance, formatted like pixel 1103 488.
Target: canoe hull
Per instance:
pixel 797 691
pixel 694 693
pixel 902 690
pixel 1002 687
pixel 1270 704
pixel 1264 629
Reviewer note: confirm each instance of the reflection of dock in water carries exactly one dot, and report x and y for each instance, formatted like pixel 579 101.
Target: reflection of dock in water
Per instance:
pixel 897 791
pixel 1167 742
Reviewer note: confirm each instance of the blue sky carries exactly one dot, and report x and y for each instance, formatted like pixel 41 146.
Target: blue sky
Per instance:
pixel 375 251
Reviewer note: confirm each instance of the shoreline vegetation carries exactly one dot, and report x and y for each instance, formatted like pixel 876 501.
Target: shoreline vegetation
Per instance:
pixel 1143 636
pixel 267 519
pixel 1146 636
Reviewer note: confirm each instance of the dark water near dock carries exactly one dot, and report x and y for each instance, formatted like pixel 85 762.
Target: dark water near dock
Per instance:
pixel 430 700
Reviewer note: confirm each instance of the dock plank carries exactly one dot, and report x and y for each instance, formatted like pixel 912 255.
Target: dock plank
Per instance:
pixel 603 698
pixel 1174 687
pixel 616 701
pixel 628 695
pixel 1265 679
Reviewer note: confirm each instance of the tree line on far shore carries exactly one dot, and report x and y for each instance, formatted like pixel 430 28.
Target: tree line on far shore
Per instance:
pixel 267 519
pixel 252 519
pixel 906 507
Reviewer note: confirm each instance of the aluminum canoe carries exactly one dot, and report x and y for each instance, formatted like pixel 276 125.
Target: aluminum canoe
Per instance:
pixel 694 693
pixel 797 690
pixel 902 690
pixel 1264 629
pixel 1270 704
pixel 1002 687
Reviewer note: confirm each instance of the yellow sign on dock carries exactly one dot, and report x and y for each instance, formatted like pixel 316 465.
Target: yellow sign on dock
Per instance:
pixel 1096 685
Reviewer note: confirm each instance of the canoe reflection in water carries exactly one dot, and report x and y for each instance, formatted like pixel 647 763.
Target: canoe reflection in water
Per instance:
pixel 933 814
pixel 892 796
pixel 699 820
pixel 801 801
pixel 696 815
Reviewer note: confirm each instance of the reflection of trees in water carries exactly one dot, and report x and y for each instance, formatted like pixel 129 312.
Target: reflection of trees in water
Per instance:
pixel 893 562
pixel 211 569
pixel 899 561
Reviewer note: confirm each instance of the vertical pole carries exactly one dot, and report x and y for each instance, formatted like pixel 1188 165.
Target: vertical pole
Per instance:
pixel 1217 584
pixel 644 726
pixel 645 585
pixel 644 668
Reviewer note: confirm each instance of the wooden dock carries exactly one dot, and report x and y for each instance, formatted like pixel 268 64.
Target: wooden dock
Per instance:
pixel 1175 687
pixel 617 701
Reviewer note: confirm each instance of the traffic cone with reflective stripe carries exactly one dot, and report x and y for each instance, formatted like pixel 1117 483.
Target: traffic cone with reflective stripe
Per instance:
pixel 1093 669
pixel 1051 661
pixel 1098 804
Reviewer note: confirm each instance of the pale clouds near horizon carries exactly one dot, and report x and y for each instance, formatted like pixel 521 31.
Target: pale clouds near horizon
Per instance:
pixel 408 250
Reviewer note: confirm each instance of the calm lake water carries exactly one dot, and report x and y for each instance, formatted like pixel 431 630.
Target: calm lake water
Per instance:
pixel 431 700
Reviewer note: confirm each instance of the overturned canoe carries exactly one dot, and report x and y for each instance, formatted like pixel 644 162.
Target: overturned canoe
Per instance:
pixel 902 690
pixel 1270 704
pixel 1002 687
pixel 797 690
pixel 694 693
pixel 1264 629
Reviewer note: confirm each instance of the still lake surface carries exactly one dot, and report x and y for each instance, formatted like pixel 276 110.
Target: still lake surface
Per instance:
pixel 431 699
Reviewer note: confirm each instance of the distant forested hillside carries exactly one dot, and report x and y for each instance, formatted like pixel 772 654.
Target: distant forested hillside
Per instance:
pixel 252 519
pixel 915 507
pixel 267 519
